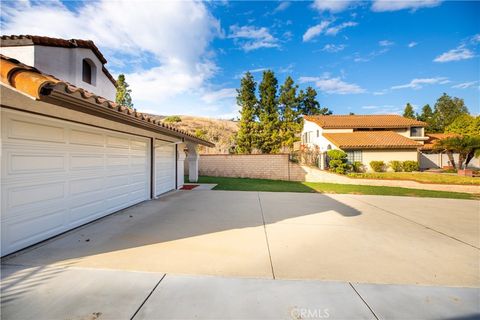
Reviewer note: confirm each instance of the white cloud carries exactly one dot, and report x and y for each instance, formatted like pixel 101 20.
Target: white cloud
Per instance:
pixel 222 94
pixel 251 38
pixel 174 35
pixel 314 31
pixel 465 85
pixel 459 53
pixel 394 5
pixel 475 38
pixel 333 6
pixel 385 43
pixel 282 6
pixel 419 83
pixel 333 85
pixel 383 109
pixel 332 31
pixel 380 93
pixel 333 47
pixel 412 44
pixel 324 27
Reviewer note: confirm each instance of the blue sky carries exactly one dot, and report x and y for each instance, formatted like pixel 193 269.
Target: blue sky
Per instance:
pixel 188 57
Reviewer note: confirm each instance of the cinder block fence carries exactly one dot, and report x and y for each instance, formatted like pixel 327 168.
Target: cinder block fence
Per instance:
pixel 261 166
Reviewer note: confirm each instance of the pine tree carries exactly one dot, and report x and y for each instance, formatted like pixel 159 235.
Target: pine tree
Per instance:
pixel 123 92
pixel 426 116
pixel 269 137
pixel 246 99
pixel 309 105
pixel 408 112
pixel 289 113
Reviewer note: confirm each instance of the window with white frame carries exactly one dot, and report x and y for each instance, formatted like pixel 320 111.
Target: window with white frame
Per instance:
pixel 354 155
pixel 415 131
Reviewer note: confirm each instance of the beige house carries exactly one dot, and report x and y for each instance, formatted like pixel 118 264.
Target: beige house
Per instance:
pixel 365 138
pixel 70 155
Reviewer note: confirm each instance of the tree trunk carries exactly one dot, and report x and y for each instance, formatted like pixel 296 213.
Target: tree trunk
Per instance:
pixel 469 157
pixel 452 160
pixel 461 159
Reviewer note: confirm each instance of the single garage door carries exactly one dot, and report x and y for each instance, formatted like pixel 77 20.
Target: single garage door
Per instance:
pixel 57 175
pixel 164 166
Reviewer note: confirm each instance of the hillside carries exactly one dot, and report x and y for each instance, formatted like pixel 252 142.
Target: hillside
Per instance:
pixel 219 131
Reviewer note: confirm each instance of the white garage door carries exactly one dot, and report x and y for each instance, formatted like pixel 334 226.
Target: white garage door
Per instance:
pixel 57 175
pixel 164 166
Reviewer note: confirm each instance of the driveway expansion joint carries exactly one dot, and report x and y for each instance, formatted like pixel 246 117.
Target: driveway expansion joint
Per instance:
pixel 266 235
pixel 147 297
pixel 365 302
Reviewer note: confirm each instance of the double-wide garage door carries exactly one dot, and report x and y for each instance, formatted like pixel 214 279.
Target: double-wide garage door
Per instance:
pixel 57 175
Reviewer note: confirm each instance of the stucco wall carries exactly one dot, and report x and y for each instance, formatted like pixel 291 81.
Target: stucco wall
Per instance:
pixel 388 155
pixel 261 166
pixel 65 64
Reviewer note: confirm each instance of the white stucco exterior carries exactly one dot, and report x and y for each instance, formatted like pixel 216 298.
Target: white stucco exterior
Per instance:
pixel 65 64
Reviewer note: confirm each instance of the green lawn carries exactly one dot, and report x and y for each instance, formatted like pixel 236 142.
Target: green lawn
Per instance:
pixel 245 184
pixel 423 177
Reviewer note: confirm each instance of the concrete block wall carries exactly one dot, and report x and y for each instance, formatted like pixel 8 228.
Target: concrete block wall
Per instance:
pixel 260 166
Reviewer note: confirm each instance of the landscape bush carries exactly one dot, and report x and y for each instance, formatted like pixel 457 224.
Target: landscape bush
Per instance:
pixel 357 167
pixel 338 161
pixel 409 166
pixel 396 166
pixel 377 166
pixel 172 119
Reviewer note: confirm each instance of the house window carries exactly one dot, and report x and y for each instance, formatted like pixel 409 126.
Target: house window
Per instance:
pixel 354 155
pixel 415 131
pixel 318 133
pixel 88 71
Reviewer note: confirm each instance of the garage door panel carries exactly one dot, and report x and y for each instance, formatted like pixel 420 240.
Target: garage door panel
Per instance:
pixel 22 196
pixel 36 131
pixel 25 162
pixel 65 175
pixel 37 227
pixel 82 137
pixel 164 166
pixel 84 161
pixel 86 186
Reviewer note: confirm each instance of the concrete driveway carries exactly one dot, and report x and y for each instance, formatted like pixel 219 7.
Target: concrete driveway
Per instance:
pixel 365 239
pixel 234 255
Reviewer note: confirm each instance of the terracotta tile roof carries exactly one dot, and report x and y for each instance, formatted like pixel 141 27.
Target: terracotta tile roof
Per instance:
pixel 44 87
pixel 364 121
pixel 371 140
pixel 26 40
pixel 433 137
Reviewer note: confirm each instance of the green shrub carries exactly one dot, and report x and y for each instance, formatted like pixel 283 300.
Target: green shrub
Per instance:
pixel 172 119
pixel 337 155
pixel 377 166
pixel 338 161
pixel 357 166
pixel 396 166
pixel 409 166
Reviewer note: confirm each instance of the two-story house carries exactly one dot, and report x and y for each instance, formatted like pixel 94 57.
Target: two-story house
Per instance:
pixel 366 138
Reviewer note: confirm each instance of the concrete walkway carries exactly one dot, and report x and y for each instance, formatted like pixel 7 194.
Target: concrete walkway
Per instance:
pixel 79 293
pixel 315 175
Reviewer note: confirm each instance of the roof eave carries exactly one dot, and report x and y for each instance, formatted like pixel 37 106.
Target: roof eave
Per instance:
pixel 67 100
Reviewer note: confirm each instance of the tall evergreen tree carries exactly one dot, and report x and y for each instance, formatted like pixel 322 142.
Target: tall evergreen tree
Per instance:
pixel 247 100
pixel 289 113
pixel 447 109
pixel 309 105
pixel 269 137
pixel 123 92
pixel 408 111
pixel 426 116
